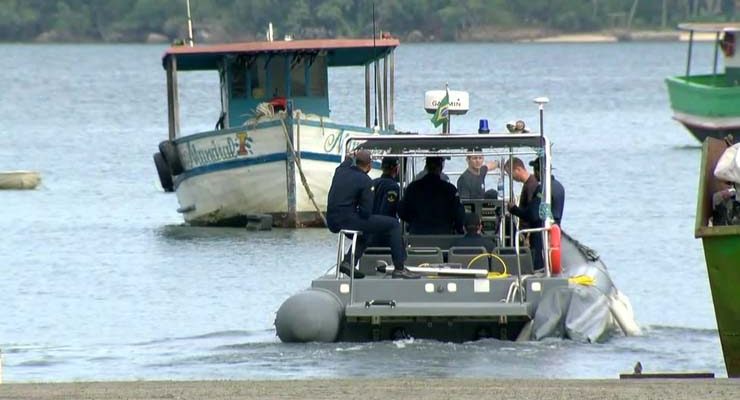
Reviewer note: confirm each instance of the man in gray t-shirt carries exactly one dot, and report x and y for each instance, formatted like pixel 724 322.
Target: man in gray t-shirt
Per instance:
pixel 470 184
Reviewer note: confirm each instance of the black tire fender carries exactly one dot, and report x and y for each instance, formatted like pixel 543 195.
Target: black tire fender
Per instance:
pixel 163 170
pixel 171 156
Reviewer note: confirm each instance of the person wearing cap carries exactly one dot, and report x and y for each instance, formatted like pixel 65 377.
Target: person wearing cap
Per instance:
pixel 471 183
pixel 386 197
pixel 386 189
pixel 473 236
pixel 557 193
pixel 350 206
pixel 431 205
pixel 530 214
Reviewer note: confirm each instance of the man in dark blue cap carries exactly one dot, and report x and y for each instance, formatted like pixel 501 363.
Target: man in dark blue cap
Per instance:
pixel 386 197
pixel 350 206
pixel 386 189
pixel 557 193
pixel 430 205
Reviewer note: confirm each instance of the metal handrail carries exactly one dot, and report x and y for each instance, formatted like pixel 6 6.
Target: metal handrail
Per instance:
pixel 340 256
pixel 518 260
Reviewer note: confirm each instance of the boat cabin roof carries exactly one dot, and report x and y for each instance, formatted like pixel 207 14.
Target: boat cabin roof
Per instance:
pixel 710 27
pixel 340 52
pixel 455 144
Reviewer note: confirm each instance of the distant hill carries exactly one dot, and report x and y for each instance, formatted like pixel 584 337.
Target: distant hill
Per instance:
pixel 411 20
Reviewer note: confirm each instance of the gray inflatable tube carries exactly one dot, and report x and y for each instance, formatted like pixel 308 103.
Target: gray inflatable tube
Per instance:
pixel 313 315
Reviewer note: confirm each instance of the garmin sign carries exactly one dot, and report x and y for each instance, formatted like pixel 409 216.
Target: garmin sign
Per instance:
pixel 459 101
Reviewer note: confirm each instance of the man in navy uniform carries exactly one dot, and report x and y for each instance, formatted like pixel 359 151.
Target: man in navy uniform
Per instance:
pixel 431 205
pixel 387 191
pixel 350 205
pixel 387 195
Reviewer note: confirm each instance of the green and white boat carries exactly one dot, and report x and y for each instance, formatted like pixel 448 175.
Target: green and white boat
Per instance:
pixel 708 105
pixel 722 254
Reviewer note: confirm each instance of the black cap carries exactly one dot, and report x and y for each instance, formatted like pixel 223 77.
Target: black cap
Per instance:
pixel 389 162
pixel 536 162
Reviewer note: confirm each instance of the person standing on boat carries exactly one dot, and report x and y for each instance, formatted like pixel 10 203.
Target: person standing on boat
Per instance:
pixel 557 193
pixel 471 183
pixel 530 215
pixel 519 173
pixel 431 205
pixel 350 206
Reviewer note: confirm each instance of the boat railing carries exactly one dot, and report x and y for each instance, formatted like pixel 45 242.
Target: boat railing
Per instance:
pixel 520 234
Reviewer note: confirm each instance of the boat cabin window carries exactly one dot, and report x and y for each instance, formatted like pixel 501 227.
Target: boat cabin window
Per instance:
pixel 252 80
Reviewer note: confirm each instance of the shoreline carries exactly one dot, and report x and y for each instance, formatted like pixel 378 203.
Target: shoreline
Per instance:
pixel 484 36
pixel 428 389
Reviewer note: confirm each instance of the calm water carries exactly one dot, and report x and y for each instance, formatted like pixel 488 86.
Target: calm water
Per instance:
pixel 103 283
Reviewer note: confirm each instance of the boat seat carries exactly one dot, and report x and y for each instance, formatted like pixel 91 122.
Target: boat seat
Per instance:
pixel 443 242
pixel 416 256
pixel 464 255
pixel 508 254
pixel 369 260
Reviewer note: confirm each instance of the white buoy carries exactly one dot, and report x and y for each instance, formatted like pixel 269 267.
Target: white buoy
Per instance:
pixel 19 179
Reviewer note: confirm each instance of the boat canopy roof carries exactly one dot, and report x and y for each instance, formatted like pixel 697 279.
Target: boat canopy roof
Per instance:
pixel 340 52
pixel 455 144
pixel 710 27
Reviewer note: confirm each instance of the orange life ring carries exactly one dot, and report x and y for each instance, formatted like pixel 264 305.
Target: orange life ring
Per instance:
pixel 728 44
pixel 555 261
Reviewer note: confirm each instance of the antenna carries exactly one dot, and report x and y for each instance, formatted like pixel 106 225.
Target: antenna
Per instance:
pixel 375 74
pixel 190 25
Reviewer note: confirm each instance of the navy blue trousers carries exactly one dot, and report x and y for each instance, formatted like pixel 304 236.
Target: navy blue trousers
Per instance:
pixel 373 225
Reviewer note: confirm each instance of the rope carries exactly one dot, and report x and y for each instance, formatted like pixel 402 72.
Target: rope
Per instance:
pixel 491 275
pixel 297 158
pixel 589 253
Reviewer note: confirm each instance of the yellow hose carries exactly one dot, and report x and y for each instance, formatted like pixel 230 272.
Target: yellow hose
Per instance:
pixel 491 275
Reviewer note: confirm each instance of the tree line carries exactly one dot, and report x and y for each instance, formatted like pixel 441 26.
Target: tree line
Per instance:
pixel 438 20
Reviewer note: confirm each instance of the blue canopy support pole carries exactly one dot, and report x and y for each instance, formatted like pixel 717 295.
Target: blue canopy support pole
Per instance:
pixel 688 58
pixel 248 77
pixel 378 95
pixel 268 78
pixel 716 54
pixel 307 77
pixel 385 92
pixel 288 83
pixel 367 96
pixel 173 104
pixel 392 87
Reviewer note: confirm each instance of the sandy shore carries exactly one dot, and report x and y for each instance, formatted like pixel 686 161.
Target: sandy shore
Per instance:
pixel 427 389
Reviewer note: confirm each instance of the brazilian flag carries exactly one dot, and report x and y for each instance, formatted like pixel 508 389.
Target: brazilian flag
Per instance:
pixel 442 113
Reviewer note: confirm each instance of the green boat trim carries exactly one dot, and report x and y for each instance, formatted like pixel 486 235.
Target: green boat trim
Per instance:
pixel 708 96
pixel 708 105
pixel 722 255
